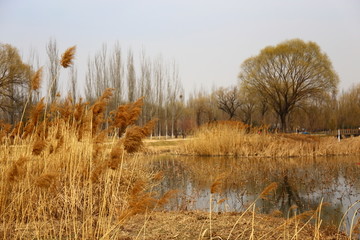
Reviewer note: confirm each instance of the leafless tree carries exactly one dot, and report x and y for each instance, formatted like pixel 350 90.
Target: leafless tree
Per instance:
pixel 131 77
pixel 53 68
pixel 228 100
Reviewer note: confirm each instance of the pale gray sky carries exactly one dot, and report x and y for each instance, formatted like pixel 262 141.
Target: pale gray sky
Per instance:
pixel 208 39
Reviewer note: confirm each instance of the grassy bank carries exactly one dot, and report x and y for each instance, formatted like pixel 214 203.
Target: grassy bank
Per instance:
pixel 236 139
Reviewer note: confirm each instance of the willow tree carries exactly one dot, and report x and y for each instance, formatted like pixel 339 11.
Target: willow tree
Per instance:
pixel 288 74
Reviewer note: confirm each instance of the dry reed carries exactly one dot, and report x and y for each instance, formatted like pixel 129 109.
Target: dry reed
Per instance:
pixel 35 81
pixel 232 139
pixel 68 57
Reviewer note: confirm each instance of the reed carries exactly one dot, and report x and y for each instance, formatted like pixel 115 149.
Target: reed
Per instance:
pixel 236 139
pixel 65 177
pixel 68 57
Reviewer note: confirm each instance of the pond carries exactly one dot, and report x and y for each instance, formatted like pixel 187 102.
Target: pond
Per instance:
pixel 302 185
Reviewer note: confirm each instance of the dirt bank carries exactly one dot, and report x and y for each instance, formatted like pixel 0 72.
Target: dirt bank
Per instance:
pixel 196 225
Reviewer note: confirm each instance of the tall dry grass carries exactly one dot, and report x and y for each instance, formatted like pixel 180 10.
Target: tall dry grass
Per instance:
pixel 62 175
pixel 237 139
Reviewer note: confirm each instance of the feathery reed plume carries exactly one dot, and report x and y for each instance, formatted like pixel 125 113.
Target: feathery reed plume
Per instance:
pixel 68 56
pixel 4 129
pixel 139 201
pixel 268 190
pixel 96 151
pixel 135 134
pixel 132 141
pixel 216 185
pixel 17 171
pixel 79 110
pixel 166 197
pixel 126 115
pixel 35 81
pixel 45 180
pixel 100 138
pixel 97 172
pixel 39 146
pixel 116 156
pixel 98 109
pixel 158 176
pixel 66 108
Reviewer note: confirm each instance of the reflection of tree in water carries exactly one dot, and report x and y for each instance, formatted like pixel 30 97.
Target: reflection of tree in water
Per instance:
pixel 303 183
pixel 288 196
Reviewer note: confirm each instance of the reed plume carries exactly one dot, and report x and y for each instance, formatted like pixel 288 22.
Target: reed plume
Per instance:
pixel 141 201
pixel 116 155
pixel 126 115
pixel 216 185
pixel 17 170
pixel 98 109
pixel 39 146
pixel 135 134
pixel 268 190
pixel 5 129
pixel 45 180
pixel 35 81
pixel 68 57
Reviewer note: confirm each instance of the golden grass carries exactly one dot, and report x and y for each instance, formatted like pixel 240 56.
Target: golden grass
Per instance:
pixel 67 177
pixel 224 139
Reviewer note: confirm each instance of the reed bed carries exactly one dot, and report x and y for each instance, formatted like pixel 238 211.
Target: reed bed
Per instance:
pixel 63 175
pixel 237 139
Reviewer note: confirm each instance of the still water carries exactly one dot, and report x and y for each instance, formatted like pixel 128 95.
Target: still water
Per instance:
pixel 302 185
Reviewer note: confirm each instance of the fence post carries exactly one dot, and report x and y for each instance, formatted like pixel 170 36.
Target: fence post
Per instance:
pixel 339 136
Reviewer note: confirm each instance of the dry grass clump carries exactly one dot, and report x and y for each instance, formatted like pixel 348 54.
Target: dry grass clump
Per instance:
pixel 63 175
pixel 235 139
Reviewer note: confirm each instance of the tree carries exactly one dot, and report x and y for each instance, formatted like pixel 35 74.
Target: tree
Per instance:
pixel 53 68
pixel 14 82
pixel 228 101
pixel 131 78
pixel 287 74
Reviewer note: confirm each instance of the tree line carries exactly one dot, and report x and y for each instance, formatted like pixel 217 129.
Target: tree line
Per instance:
pixel 290 86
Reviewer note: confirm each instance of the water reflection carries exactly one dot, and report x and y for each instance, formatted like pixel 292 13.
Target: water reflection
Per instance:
pixel 302 184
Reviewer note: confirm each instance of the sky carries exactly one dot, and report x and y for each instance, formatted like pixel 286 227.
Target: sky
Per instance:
pixel 208 39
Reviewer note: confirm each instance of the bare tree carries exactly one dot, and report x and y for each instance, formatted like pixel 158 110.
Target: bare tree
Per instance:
pixel 73 83
pixel 97 77
pixel 117 74
pixel 228 100
pixel 53 68
pixel 131 78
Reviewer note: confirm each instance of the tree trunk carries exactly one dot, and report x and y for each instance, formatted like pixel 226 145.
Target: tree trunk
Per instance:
pixel 283 121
